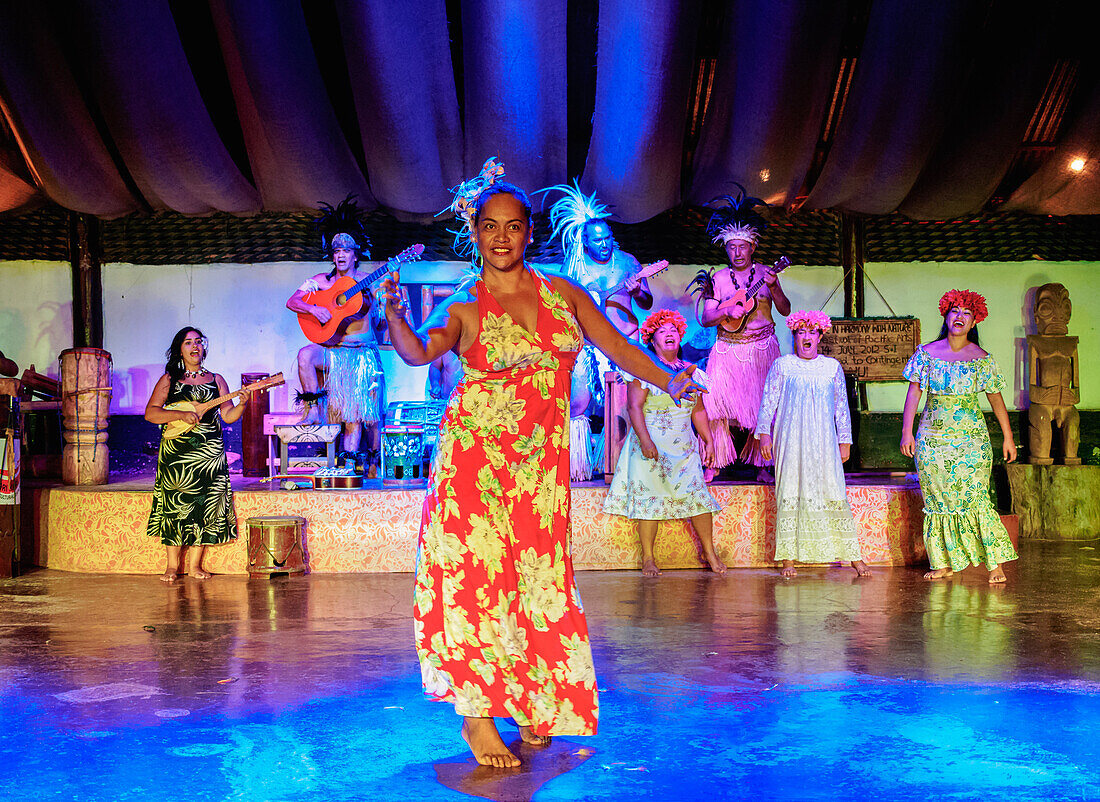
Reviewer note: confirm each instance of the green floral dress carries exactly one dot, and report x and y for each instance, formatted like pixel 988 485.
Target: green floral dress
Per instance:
pixel 954 460
pixel 192 502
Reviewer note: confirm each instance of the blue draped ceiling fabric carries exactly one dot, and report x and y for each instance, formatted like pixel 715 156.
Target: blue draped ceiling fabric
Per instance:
pixel 243 106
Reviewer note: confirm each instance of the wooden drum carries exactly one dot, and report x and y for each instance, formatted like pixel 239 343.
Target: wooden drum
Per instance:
pixel 275 544
pixel 616 422
pixel 85 407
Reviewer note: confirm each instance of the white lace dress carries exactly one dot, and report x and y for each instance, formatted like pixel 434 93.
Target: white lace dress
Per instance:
pixel 805 410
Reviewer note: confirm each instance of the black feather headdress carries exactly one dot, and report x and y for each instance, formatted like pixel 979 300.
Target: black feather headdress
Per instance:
pixel 736 217
pixel 343 218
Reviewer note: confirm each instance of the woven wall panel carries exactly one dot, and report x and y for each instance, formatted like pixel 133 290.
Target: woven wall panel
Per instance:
pixel 42 234
pixel 808 238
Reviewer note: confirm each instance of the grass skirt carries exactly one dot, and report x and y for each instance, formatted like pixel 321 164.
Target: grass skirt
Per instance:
pixel 737 367
pixel 353 379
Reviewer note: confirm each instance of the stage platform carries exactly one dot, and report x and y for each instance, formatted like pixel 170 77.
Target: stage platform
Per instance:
pixel 102 529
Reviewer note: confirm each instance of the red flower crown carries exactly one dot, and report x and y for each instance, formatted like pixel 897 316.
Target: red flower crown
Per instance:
pixel 964 299
pixel 660 318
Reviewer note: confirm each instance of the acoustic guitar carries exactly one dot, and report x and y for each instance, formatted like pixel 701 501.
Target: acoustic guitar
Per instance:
pixel 744 302
pixel 176 428
pixel 344 299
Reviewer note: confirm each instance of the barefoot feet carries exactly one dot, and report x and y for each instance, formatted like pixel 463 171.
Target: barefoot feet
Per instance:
pixel 997 576
pixel 715 563
pixel 788 569
pixel 198 573
pixel 485 743
pixel 939 573
pixel 169 575
pixel 861 567
pixel 529 737
pixel 649 568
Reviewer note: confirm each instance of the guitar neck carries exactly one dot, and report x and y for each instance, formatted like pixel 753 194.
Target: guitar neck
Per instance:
pixel 256 387
pixel 362 284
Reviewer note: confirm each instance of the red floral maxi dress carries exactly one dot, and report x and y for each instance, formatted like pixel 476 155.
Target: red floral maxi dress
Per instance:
pixel 499 626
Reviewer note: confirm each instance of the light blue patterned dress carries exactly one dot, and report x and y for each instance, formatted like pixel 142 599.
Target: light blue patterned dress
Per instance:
pixel 954 460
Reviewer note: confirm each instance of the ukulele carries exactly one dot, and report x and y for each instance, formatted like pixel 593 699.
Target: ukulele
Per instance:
pixel 744 302
pixel 175 428
pixel 344 299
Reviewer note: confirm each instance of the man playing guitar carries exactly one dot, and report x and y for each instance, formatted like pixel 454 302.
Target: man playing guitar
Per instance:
pixel 345 370
pixel 746 345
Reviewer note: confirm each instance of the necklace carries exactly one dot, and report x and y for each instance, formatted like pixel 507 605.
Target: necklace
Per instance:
pixel 194 374
pixel 748 283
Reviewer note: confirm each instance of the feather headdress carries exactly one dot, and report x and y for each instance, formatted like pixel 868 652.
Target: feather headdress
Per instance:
pixel 341 226
pixel 464 205
pixel 737 218
pixel 568 217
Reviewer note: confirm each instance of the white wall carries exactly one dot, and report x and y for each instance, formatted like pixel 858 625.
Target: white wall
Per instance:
pixel 36 313
pixel 242 308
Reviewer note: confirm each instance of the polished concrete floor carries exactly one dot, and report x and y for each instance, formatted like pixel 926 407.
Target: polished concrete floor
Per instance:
pixel 743 687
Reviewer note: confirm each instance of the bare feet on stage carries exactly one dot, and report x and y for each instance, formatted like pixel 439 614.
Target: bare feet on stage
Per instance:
pixel 169 576
pixel 529 737
pixel 939 573
pixel 709 474
pixel 862 569
pixel 649 568
pixel 715 563
pixel 485 742
pixel 997 576
pixel 788 569
pixel 198 573
pixel 763 477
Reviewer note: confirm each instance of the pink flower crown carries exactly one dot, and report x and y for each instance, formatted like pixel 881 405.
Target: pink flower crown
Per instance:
pixel 809 320
pixel 660 318
pixel 964 299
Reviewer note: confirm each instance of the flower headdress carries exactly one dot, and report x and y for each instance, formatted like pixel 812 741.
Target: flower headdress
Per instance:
pixel 966 300
pixel 809 320
pixel 568 217
pixel 660 318
pixel 464 205
pixel 737 219
pixel 341 226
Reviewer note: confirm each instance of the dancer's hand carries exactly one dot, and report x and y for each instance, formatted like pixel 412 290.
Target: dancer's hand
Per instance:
pixel 1009 450
pixel 765 446
pixel 681 385
pixel 909 445
pixel 845 451
pixel 649 451
pixel 390 293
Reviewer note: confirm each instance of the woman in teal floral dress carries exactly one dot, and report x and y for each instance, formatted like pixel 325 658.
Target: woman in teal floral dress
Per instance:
pixel 952 450
pixel 192 502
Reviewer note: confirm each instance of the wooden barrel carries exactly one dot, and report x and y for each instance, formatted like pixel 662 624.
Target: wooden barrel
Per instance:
pixel 85 407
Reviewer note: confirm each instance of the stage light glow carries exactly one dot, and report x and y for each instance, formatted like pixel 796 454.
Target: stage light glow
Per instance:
pixel 1077 164
pixel 765 174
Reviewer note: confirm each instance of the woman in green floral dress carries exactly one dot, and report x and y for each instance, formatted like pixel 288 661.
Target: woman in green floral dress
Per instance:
pixel 952 450
pixel 192 502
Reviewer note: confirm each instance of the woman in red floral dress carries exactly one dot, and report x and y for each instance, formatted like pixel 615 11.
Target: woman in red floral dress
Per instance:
pixel 499 627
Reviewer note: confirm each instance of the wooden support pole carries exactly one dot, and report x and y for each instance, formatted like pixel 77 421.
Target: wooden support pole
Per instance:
pixel 85 255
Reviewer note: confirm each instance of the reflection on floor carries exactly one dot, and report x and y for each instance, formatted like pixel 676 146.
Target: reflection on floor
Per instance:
pixel 750 686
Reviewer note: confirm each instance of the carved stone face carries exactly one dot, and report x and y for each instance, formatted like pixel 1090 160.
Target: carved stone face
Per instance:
pixel 1052 309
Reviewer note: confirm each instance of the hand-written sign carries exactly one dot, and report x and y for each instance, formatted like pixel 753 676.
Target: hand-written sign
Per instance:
pixel 872 349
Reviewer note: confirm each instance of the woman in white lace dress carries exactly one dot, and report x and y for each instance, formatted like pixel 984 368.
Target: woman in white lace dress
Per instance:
pixel 805 426
pixel 659 475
